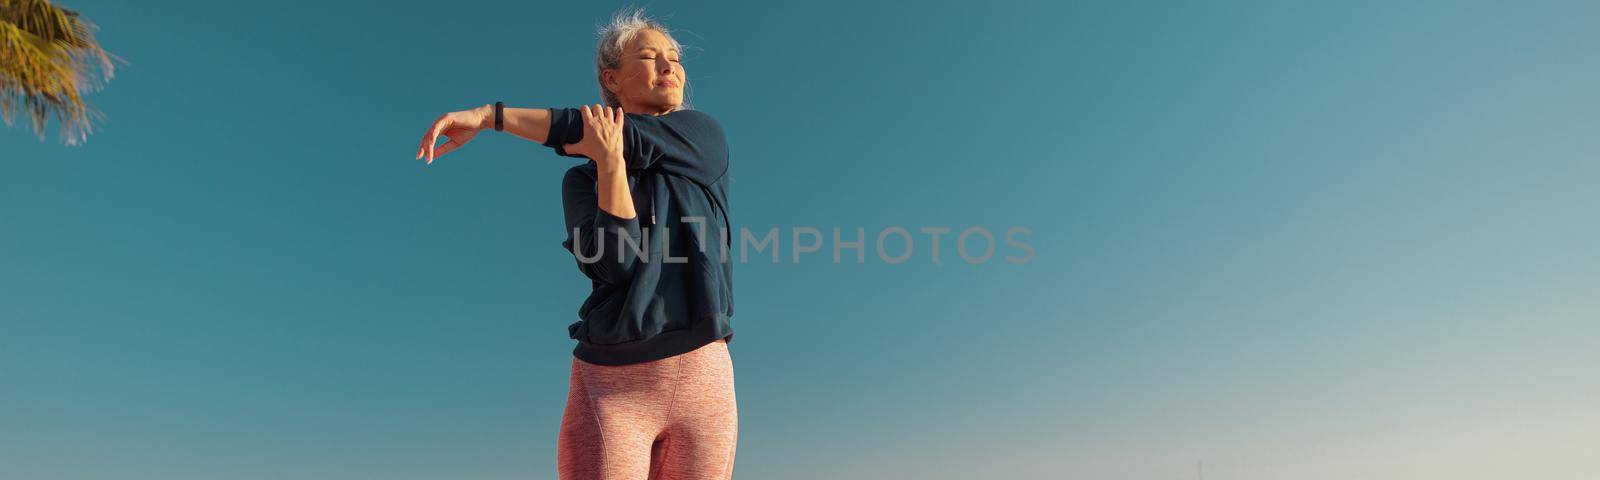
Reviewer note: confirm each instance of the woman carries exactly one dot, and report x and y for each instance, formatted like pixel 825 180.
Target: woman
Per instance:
pixel 651 391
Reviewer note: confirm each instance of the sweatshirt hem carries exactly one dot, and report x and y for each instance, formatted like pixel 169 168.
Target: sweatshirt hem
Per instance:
pixel 662 345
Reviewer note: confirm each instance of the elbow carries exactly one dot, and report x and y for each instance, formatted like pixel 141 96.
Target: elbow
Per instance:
pixel 617 272
pixel 610 257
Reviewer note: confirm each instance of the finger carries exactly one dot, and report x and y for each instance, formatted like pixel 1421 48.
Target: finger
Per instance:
pixel 433 137
pixel 620 116
pixel 446 148
pixel 586 114
pixel 422 145
pixel 427 142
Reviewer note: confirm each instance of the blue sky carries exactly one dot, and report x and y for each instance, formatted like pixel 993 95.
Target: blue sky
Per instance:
pixel 1282 239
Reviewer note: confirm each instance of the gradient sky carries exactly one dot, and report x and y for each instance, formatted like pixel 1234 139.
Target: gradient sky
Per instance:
pixel 1284 239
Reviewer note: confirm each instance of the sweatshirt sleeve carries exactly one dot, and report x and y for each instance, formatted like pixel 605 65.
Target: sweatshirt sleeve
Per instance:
pixel 688 143
pixel 593 234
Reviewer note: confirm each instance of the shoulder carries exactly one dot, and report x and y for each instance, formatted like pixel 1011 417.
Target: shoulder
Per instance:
pixel 696 119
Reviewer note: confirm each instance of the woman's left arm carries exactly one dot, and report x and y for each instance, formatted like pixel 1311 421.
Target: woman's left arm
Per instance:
pixel 688 143
pixel 461 126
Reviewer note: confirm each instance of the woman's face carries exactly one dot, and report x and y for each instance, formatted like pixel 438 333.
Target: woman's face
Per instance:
pixel 650 78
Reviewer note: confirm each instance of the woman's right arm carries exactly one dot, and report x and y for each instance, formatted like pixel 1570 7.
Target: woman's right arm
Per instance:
pixel 605 245
pixel 459 128
pixel 609 191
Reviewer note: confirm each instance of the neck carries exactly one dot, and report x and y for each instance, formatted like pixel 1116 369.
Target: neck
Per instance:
pixel 646 109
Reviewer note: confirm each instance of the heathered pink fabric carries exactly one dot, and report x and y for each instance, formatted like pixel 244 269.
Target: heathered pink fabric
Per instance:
pixel 670 419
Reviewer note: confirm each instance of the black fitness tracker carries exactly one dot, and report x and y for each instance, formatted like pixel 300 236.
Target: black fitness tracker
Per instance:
pixel 499 116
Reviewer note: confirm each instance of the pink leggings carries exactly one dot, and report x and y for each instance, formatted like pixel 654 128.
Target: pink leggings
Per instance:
pixel 668 419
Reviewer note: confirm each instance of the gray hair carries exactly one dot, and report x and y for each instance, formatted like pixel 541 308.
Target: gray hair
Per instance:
pixel 615 36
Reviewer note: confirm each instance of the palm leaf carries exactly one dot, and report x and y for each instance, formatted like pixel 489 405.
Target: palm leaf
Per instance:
pixel 48 59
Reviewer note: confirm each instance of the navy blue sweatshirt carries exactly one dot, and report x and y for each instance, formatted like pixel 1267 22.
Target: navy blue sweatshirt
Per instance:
pixel 668 289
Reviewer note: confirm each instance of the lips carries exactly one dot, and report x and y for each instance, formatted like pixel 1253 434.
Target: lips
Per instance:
pixel 667 83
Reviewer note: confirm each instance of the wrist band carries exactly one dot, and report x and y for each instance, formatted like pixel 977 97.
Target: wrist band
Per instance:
pixel 499 116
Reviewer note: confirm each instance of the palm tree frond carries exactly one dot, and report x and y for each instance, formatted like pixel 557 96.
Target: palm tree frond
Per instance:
pixel 48 59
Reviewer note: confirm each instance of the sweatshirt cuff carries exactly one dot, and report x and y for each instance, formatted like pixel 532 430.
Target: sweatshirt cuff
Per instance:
pixel 566 127
pixel 609 223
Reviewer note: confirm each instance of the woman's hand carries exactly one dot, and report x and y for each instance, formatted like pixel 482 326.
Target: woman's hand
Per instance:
pixel 602 136
pixel 459 127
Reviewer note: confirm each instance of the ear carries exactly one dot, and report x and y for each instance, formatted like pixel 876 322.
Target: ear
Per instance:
pixel 610 77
